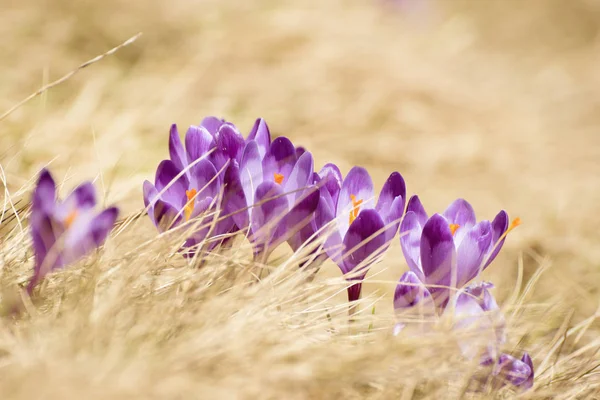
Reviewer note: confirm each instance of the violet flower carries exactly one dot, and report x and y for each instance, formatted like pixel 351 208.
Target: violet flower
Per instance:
pixel 448 250
pixel 510 370
pixel 217 140
pixel 362 229
pixel 271 195
pixel 65 231
pixel 411 293
pixel 190 183
pixel 474 307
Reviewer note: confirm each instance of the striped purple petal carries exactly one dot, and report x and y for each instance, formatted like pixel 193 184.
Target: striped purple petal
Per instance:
pixel 176 151
pixel 438 257
pixel 198 142
pixel 461 213
pixel 261 134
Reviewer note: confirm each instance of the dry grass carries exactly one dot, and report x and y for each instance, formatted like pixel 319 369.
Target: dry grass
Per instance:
pixel 494 101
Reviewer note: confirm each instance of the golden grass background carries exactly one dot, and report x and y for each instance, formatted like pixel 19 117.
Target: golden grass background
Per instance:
pixel 494 101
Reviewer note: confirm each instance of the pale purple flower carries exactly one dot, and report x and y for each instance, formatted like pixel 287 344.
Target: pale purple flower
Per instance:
pixel 410 293
pixel 474 308
pixel 362 229
pixel 507 369
pixel 65 231
pixel 271 194
pixel 448 250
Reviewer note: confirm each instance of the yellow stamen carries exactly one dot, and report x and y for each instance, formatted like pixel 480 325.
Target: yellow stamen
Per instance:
pixel 453 228
pixel 189 206
pixel 355 208
pixel 70 219
pixel 278 178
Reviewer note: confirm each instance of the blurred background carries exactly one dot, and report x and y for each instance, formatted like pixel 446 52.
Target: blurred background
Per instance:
pixel 496 101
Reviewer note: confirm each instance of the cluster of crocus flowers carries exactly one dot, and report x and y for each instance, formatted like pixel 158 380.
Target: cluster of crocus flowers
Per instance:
pixel 269 191
pixel 444 253
pixel 65 231
pixel 217 183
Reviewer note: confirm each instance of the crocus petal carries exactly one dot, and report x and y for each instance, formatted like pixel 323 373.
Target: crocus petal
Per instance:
pixel 475 307
pixel 83 197
pixel 410 241
pixel 102 224
pixel 393 188
pixel 234 199
pixel 466 309
pixel 471 252
pixel 392 218
pixel 499 226
pixel 467 313
pixel 414 205
pixel 198 142
pixel 44 236
pixel 410 292
pixel 280 159
pixel 44 195
pixel 324 218
pixel 299 151
pixel 166 216
pixel 460 213
pixel 251 172
pixel 358 183
pixel 480 293
pixel 176 151
pixel 174 187
pixel 270 208
pixel 212 124
pixel 229 146
pixel 203 226
pixel 365 237
pixel 77 241
pixel 299 215
pixel 203 178
pixel 514 371
pixel 261 134
pixel 438 257
pixel 529 382
pixel 332 179
pixel 299 178
pixel 150 197
pixel 45 259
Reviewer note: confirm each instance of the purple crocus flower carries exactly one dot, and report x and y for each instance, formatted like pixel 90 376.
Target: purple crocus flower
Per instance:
pixel 448 250
pixel 510 370
pixel 475 307
pixel 363 229
pixel 411 293
pixel 65 231
pixel 271 194
pixel 217 140
pixel 191 182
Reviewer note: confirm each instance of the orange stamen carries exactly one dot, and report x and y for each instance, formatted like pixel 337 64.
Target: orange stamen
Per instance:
pixel 453 228
pixel 515 222
pixel 278 178
pixel 355 208
pixel 70 219
pixel 189 206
